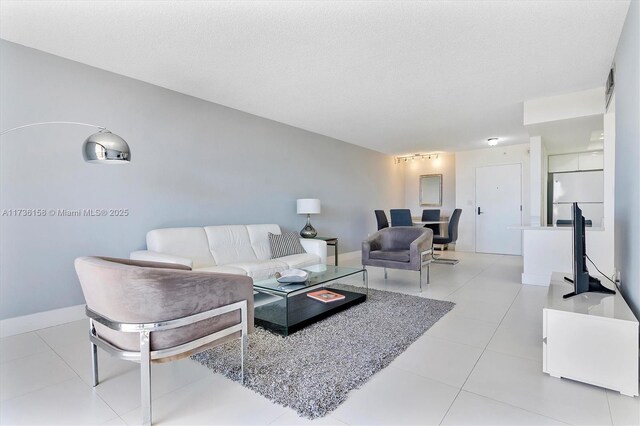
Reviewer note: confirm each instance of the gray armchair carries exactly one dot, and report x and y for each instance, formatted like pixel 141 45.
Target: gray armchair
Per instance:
pixel 401 247
pixel 151 312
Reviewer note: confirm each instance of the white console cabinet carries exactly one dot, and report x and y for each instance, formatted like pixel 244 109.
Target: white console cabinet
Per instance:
pixel 591 338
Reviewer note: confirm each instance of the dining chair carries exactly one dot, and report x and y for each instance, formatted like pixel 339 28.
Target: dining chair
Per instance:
pixel 381 218
pixel 452 236
pixel 430 216
pixel 401 217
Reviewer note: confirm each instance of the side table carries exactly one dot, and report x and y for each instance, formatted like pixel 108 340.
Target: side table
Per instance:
pixel 331 241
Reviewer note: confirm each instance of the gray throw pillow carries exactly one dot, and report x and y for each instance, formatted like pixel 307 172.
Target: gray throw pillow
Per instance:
pixel 285 244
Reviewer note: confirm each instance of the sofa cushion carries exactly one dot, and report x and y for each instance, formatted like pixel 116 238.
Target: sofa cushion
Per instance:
pixel 393 255
pixel 285 244
pixel 261 269
pixel 300 260
pixel 259 236
pixel 223 269
pixel 184 242
pixel 230 243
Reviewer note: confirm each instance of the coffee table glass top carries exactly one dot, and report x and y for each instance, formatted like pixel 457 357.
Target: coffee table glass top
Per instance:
pixel 318 275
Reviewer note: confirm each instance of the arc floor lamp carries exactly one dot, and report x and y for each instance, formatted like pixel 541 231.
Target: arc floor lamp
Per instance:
pixel 102 147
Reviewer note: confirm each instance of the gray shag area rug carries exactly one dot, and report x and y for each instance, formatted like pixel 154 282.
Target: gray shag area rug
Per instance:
pixel 313 370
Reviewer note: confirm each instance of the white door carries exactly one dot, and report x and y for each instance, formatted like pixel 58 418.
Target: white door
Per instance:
pixel 498 205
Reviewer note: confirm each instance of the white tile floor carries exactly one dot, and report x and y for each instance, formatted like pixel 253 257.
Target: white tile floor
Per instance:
pixel 480 364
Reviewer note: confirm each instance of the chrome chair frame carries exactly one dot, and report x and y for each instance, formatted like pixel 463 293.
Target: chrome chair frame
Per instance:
pixel 422 263
pixel 146 355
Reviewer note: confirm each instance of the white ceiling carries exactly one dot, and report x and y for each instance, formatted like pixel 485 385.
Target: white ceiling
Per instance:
pixel 396 77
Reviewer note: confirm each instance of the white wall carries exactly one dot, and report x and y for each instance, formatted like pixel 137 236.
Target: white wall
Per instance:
pixel 445 165
pixel 465 166
pixel 537 177
pixel 562 107
pixel 548 250
pixel 627 177
pixel 194 163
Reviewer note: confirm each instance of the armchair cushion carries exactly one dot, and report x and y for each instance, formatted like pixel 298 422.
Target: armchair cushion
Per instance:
pixel 393 255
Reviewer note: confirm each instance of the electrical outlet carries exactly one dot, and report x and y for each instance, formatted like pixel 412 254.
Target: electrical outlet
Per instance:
pixel 617 276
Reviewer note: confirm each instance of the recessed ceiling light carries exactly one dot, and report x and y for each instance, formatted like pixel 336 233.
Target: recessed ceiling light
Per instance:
pixel 492 141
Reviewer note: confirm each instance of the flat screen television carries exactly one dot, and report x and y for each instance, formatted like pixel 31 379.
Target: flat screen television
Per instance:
pixel 582 281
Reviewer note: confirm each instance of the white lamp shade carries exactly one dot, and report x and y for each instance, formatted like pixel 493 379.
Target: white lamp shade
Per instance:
pixel 308 206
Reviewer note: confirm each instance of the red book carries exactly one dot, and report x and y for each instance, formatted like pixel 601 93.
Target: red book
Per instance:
pixel 325 296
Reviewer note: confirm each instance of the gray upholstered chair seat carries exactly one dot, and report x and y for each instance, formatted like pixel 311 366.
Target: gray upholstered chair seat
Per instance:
pixel 393 255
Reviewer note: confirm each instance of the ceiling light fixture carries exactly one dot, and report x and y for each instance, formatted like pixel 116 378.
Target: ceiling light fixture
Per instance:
pixel 492 141
pixel 412 157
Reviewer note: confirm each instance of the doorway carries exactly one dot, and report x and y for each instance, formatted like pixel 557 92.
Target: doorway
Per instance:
pixel 498 205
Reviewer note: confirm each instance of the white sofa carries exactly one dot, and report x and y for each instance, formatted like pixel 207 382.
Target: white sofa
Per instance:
pixel 230 249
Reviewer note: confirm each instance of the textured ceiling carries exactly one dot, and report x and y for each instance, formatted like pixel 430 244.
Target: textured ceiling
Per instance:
pixel 397 77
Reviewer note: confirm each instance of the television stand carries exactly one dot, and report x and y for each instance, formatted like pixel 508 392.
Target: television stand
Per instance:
pixel 595 286
pixel 591 339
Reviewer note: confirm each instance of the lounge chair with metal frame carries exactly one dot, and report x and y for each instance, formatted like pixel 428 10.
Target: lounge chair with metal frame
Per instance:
pixel 400 247
pixel 151 312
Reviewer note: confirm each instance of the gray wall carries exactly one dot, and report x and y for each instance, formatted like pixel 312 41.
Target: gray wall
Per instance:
pixel 627 204
pixel 193 163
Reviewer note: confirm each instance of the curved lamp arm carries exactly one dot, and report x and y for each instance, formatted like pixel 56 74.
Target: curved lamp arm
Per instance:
pixel 52 122
pixel 102 147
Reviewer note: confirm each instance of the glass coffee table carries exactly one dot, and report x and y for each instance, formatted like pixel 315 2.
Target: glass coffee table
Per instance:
pixel 286 308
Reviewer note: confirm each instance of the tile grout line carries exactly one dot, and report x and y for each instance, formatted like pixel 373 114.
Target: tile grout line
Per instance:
pixel 91 388
pixel 478 360
pixel 519 408
pixel 609 405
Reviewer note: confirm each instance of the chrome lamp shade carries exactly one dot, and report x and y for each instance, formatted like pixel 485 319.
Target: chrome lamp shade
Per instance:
pixel 105 147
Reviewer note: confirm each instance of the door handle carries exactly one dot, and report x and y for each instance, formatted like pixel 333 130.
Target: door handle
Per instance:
pixel 480 211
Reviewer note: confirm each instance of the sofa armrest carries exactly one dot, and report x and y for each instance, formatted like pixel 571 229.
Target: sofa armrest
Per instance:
pixel 317 247
pixel 154 256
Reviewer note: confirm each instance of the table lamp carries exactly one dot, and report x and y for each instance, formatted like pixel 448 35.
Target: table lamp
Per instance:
pixel 308 206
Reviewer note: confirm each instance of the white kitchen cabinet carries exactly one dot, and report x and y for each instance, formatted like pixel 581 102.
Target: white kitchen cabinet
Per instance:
pixel 591 338
pixel 564 163
pixel 591 160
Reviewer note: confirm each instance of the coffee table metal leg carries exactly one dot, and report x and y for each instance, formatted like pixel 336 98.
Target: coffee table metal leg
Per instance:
pixel 286 315
pixel 335 247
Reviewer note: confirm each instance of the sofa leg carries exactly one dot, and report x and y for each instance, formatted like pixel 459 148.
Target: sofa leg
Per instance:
pixel 385 273
pixel 145 377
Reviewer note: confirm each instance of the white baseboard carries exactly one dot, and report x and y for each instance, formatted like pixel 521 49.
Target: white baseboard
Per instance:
pixel 536 279
pixel 344 256
pixel 27 323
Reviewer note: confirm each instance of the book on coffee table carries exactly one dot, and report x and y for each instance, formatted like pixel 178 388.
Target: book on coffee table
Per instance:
pixel 325 296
